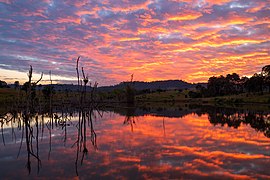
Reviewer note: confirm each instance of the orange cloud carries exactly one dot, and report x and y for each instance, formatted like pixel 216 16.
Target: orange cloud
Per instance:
pixel 151 39
pixel 185 17
pixel 130 39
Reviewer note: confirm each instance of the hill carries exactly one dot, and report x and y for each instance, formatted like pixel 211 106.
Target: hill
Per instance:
pixel 138 85
pixel 154 85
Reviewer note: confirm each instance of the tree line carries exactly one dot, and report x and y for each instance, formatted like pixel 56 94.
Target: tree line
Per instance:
pixel 232 84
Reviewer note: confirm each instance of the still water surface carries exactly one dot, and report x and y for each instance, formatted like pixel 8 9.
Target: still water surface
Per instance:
pixel 161 144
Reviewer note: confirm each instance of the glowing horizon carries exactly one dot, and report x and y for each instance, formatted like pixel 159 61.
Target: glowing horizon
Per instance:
pixel 190 40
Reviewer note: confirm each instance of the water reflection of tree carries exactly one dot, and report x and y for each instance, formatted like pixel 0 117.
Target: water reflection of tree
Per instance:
pixel 232 117
pixel 29 134
pixel 33 126
pixel 260 121
pixel 85 121
pixel 31 120
pixel 86 114
pixel 130 117
pixel 29 137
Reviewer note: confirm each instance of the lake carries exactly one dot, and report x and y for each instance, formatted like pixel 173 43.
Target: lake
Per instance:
pixel 138 143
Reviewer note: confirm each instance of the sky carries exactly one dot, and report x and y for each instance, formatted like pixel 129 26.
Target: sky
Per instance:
pixel 190 40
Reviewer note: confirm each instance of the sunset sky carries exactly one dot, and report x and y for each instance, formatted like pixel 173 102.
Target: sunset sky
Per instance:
pixel 190 40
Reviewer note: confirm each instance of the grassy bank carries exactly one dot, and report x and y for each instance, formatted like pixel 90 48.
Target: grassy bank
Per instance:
pixel 176 96
pixel 167 98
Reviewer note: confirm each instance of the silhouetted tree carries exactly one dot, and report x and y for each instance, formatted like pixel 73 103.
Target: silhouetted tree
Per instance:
pixel 25 86
pixel 213 86
pixel 255 83
pixel 219 86
pixel 3 84
pixel 266 74
pixel 241 84
pixel 130 92
pixel 17 84
pixel 202 90
pixel 266 70
pixel 233 77
pixel 235 83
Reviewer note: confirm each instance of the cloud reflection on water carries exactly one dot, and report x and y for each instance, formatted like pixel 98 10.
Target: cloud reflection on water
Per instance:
pixel 163 147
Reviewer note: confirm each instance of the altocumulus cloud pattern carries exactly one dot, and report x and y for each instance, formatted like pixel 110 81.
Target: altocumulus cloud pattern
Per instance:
pixel 154 39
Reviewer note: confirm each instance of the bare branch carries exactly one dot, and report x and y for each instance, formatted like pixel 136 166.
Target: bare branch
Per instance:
pixel 85 78
pixel 39 78
pixel 30 73
pixel 77 69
